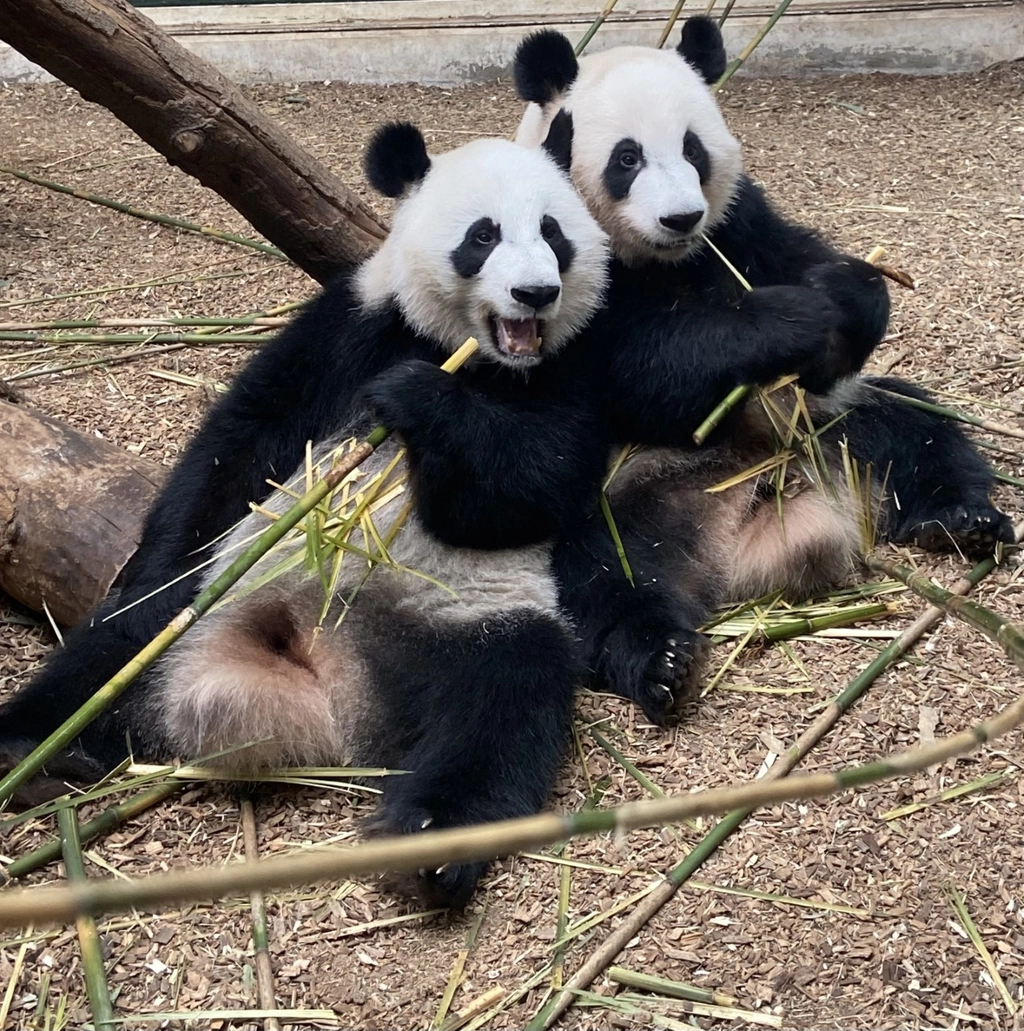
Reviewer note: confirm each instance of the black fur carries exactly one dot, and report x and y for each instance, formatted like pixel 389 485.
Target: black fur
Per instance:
pixel 563 248
pixel 702 46
pixel 477 244
pixel 558 142
pixel 395 158
pixel 544 66
pixel 623 166
pixel 697 155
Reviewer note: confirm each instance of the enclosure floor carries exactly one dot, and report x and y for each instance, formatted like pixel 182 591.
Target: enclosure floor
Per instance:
pixel 930 169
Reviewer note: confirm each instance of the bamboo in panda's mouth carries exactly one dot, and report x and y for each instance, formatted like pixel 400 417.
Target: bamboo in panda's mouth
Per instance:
pixel 519 338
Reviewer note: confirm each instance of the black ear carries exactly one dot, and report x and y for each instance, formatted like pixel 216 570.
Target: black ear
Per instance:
pixel 544 66
pixel 558 142
pixel 702 47
pixel 395 158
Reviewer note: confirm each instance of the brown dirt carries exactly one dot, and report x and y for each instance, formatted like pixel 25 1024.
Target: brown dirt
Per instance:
pixel 932 170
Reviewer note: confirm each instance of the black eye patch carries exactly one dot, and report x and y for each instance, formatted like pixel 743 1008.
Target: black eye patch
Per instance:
pixel 481 238
pixel 562 248
pixel 624 164
pixel 694 152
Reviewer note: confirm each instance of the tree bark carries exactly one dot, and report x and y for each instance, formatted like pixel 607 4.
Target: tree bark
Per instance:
pixel 71 512
pixel 200 121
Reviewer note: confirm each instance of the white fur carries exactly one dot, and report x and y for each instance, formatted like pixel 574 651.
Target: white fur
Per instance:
pixel 515 187
pixel 654 97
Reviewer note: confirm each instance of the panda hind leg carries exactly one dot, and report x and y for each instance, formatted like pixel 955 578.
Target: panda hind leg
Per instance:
pixel 937 483
pixel 493 709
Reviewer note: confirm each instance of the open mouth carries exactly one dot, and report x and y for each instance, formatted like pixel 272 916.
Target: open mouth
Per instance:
pixel 518 338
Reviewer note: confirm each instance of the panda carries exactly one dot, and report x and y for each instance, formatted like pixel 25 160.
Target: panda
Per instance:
pixel 658 167
pixel 454 662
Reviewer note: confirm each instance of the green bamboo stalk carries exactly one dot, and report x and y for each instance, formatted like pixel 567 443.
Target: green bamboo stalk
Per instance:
pixel 88 939
pixel 673 989
pixel 737 63
pixel 720 411
pixel 100 291
pixel 105 822
pixel 613 529
pixel 148 216
pixel 670 24
pixel 112 359
pixel 720 833
pixel 1006 478
pixel 42 339
pixel 455 978
pixel 641 778
pixel 113 688
pixel 725 14
pixel 409 852
pixel 958 416
pixel 33 328
pixel 594 26
pixel 258 912
pixel 1009 636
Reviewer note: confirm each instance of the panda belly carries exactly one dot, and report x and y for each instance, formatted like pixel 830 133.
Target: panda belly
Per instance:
pixel 747 540
pixel 272 678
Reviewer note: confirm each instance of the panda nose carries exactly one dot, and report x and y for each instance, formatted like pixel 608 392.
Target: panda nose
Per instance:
pixel 682 223
pixel 536 297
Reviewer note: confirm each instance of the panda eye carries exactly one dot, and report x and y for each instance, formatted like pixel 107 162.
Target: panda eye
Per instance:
pixel 484 237
pixel 629 159
pixel 550 229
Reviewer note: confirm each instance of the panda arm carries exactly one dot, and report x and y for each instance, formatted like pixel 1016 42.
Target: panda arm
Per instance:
pixel 770 250
pixel 664 370
pixel 496 465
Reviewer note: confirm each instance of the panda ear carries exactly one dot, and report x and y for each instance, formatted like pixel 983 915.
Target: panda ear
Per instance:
pixel 702 47
pixel 396 158
pixel 558 142
pixel 544 66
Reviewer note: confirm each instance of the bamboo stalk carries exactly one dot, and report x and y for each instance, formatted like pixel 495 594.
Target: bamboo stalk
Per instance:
pixel 670 24
pixel 98 825
pixel 148 216
pixel 88 939
pixel 1009 636
pixel 594 26
pixel 258 910
pixel 129 338
pixel 227 321
pixel 952 413
pixel 725 14
pixel 410 852
pixel 606 953
pixel 737 62
pixel 458 971
pixel 115 359
pixel 673 989
pixel 113 688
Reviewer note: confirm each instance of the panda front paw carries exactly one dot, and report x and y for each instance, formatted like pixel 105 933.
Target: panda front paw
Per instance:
pixel 798 333
pixel 859 291
pixel 657 672
pixel 407 397
pixel 973 530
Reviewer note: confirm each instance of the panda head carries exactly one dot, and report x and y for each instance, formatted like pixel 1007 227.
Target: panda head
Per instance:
pixel 488 240
pixel 651 153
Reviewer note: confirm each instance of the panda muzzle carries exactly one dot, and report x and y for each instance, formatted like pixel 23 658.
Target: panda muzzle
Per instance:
pixel 518 337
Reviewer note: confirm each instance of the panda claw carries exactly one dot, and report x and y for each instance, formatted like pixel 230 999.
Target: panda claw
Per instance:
pixel 672 642
pixel 441 869
pixel 426 823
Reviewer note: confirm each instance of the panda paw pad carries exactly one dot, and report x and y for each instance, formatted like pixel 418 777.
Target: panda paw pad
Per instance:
pixel 669 675
pixel 974 530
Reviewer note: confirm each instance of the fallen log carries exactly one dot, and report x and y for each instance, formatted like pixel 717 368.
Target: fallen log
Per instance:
pixel 200 121
pixel 71 512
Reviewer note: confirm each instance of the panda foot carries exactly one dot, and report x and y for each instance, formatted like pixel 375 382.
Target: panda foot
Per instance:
pixel 973 530
pixel 448 886
pixel 658 677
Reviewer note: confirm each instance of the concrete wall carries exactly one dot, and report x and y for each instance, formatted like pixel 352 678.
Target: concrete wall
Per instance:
pixel 446 42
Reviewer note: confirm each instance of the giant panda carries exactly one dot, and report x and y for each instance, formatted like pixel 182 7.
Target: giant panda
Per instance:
pixel 453 662
pixel 657 165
